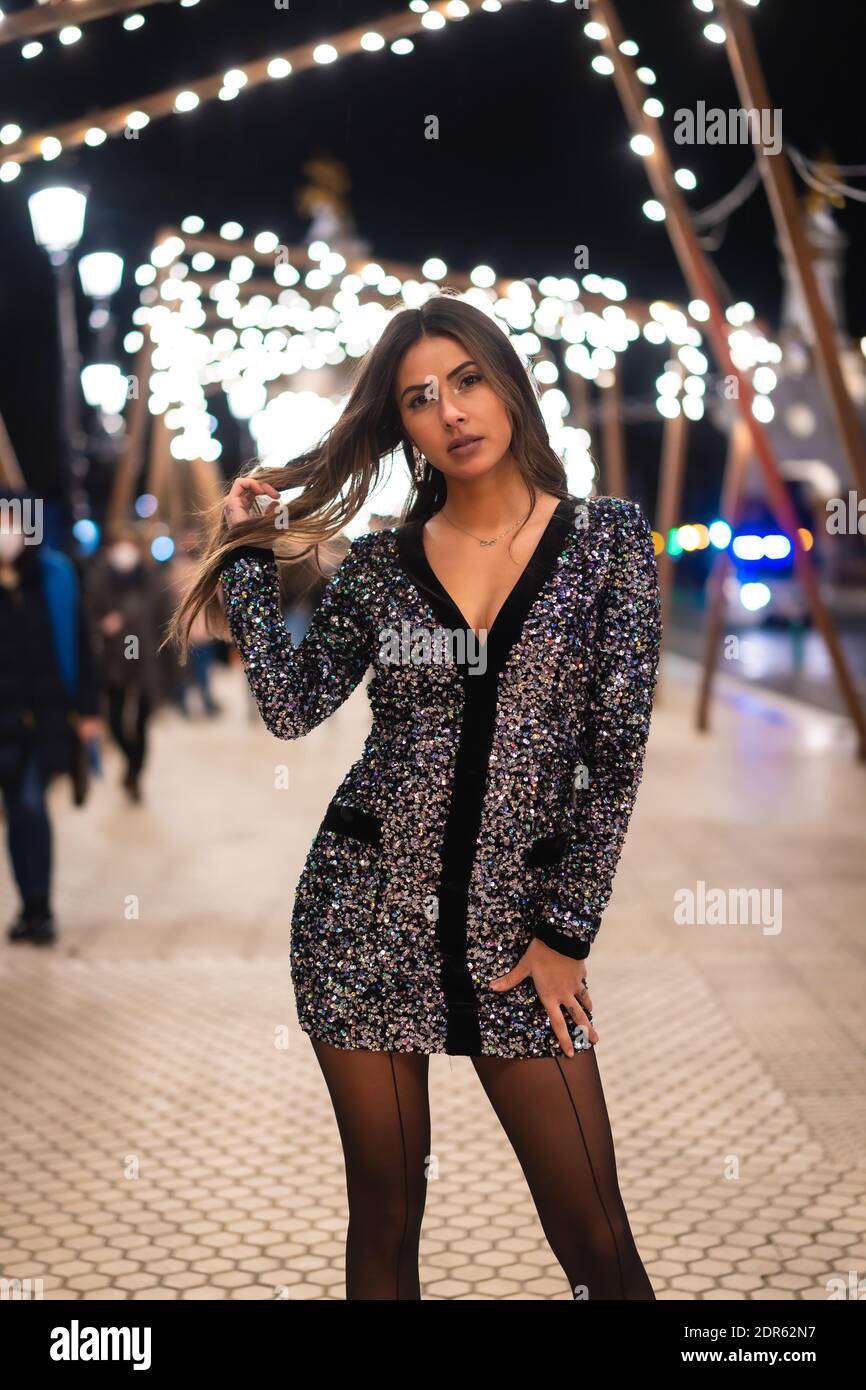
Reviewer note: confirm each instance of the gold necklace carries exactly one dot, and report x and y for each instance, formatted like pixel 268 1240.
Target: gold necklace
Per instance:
pixel 478 538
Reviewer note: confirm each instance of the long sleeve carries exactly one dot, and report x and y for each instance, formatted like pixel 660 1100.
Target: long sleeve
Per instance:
pixel 296 688
pixel 615 732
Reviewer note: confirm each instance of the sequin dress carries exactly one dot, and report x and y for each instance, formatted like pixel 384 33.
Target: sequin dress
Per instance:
pixel 492 797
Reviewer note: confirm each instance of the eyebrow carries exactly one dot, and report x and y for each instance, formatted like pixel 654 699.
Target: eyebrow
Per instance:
pixel 470 362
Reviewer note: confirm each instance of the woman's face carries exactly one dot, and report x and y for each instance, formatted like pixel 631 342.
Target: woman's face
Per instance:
pixel 442 395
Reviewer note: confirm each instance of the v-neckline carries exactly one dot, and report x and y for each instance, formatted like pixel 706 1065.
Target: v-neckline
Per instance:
pixel 505 628
pixel 439 584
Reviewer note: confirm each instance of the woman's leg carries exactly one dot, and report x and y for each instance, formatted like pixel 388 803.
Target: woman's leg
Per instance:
pixel 29 836
pixel 116 719
pixel 138 742
pixel 382 1109
pixel 554 1114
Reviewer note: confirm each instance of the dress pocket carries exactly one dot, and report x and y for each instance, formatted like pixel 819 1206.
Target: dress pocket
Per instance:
pixel 548 849
pixel 353 821
pixel 344 870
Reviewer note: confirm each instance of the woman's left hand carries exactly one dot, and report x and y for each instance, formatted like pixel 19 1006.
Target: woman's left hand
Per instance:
pixel 561 984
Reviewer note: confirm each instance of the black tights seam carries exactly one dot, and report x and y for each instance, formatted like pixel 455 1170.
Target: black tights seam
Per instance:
pixel 405 1173
pixel 594 1178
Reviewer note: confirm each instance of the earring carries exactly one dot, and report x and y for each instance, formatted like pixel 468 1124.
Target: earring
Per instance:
pixel 420 463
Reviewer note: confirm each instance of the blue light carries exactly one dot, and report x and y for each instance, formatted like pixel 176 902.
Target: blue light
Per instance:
pixel 86 532
pixel 748 547
pixel 162 548
pixel 720 534
pixel 146 504
pixel 769 551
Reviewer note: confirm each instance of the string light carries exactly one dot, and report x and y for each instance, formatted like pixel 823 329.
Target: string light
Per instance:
pixel 237 316
pixel 642 145
pixel 420 18
pixel 69 34
pixel 594 340
pixel 753 348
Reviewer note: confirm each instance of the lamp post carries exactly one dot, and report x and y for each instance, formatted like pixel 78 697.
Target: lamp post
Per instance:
pixel 104 386
pixel 57 217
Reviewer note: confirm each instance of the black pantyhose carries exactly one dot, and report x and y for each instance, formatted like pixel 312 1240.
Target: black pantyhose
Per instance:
pixel 555 1117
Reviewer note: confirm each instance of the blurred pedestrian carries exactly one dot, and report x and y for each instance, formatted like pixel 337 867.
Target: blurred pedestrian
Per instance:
pixel 49 707
pixel 202 650
pixel 128 606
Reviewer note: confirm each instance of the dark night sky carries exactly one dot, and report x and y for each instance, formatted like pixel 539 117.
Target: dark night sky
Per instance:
pixel 532 159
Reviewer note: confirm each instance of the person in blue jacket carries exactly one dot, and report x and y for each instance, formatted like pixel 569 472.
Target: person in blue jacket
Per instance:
pixel 49 702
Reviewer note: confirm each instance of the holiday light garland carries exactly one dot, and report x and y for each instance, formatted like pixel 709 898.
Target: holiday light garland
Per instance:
pixel 95 129
pixel 241 313
pixel 678 392
pixel 65 17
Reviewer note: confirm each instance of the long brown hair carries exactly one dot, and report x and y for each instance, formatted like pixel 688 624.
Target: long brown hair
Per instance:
pixel 338 475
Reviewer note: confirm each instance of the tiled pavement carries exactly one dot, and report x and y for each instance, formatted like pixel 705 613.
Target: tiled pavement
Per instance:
pixel 166 1132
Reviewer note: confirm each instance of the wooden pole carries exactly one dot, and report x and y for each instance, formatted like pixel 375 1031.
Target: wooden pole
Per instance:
pixel 739 453
pixel 10 468
pixel 749 77
pixel 581 403
pixel 129 463
pixel 670 495
pixel 177 481
pixel 614 437
pixel 701 283
pixel 207 488
pixel 160 464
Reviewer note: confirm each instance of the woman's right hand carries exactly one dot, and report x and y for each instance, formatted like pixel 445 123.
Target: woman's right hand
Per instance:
pixel 241 505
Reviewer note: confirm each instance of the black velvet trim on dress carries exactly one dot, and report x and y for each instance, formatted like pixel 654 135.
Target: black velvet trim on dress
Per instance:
pixel 566 945
pixel 248 552
pixel 463 1035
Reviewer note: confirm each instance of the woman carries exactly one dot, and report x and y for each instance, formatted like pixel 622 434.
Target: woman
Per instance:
pixel 452 893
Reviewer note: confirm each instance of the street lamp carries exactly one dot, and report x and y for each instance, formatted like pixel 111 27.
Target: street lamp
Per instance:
pixel 57 216
pixel 104 387
pixel 101 273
